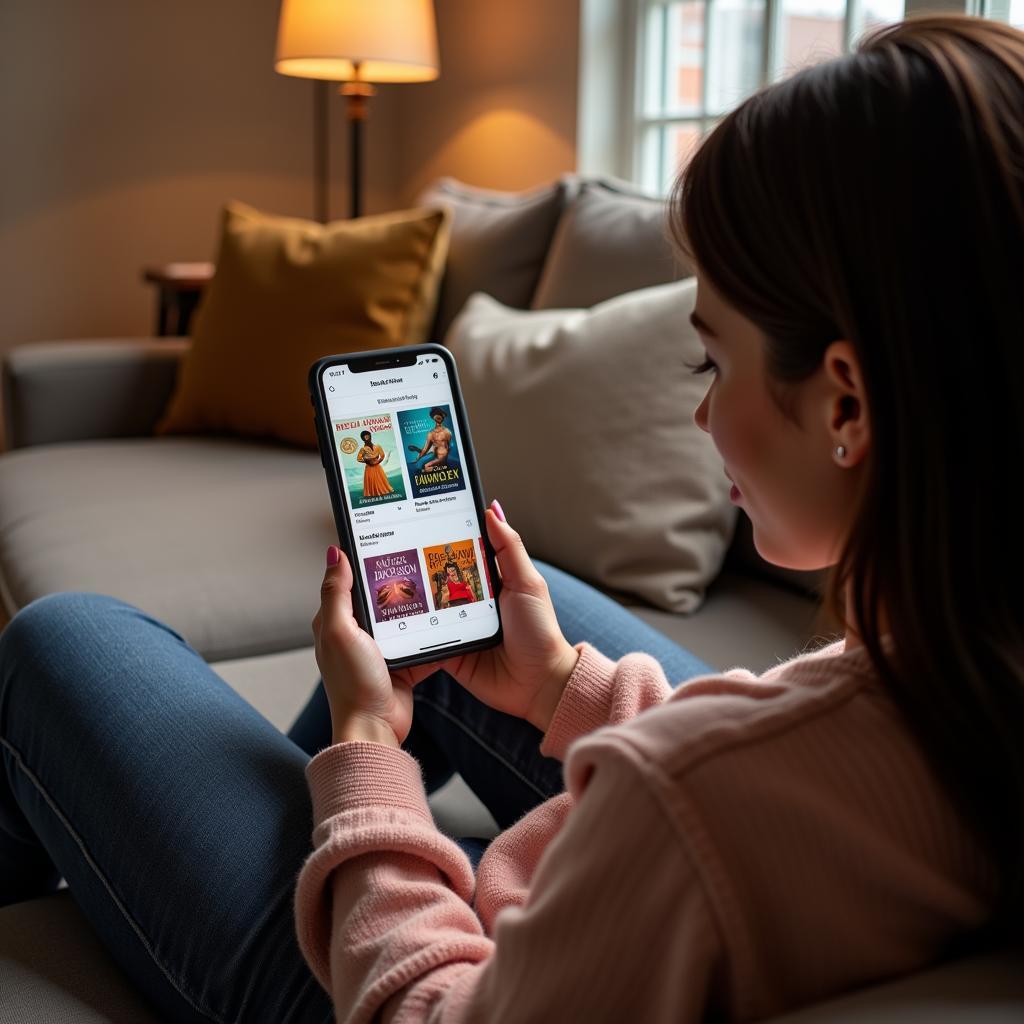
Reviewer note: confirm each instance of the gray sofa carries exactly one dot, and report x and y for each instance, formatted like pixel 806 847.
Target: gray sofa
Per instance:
pixel 91 500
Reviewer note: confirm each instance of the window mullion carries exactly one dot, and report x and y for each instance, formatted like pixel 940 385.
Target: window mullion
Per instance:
pixel 705 75
pixel 633 66
pixel 772 40
pixel 663 99
pixel 851 24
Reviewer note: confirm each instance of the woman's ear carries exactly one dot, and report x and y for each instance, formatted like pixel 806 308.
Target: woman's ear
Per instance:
pixel 849 423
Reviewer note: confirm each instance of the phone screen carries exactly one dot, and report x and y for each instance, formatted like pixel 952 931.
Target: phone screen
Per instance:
pixel 410 503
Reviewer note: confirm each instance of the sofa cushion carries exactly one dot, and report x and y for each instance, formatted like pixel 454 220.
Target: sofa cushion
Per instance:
pixel 498 243
pixel 222 539
pixel 985 988
pixel 744 622
pixel 54 970
pixel 582 421
pixel 288 291
pixel 611 239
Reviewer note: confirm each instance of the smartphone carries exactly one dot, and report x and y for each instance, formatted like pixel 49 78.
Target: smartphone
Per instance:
pixel 403 482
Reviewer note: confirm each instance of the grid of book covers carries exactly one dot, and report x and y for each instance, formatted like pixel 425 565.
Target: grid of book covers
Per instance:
pixel 409 454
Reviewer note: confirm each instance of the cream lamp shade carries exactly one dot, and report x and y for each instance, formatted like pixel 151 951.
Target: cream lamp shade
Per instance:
pixel 365 40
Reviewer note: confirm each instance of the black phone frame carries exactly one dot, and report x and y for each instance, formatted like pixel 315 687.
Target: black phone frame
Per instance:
pixel 384 359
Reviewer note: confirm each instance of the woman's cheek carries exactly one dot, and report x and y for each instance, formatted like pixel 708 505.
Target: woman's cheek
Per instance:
pixel 725 424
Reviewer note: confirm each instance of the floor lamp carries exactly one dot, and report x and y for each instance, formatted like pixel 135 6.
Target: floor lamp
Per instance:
pixel 356 42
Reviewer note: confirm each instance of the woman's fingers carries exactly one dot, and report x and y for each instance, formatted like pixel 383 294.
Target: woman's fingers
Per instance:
pixel 517 571
pixel 336 589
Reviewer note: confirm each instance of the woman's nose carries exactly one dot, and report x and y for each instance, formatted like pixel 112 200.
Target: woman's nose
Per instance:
pixel 700 415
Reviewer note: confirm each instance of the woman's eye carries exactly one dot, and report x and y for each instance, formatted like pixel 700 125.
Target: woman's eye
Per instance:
pixel 705 367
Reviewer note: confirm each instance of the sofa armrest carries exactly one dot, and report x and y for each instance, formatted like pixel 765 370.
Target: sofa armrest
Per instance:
pixel 75 390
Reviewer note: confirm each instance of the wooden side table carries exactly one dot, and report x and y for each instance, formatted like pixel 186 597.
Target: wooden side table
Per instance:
pixel 179 289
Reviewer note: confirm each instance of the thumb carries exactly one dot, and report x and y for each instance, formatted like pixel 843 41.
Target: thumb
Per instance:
pixel 336 589
pixel 517 571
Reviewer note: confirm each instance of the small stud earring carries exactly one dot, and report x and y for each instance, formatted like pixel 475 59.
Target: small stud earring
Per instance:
pixel 840 452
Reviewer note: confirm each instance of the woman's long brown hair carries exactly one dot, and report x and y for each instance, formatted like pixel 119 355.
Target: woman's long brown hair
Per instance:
pixel 879 198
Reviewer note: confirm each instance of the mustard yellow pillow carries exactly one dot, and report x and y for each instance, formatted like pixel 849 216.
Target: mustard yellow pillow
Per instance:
pixel 288 291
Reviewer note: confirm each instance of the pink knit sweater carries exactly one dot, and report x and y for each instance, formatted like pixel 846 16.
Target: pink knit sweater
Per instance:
pixel 739 846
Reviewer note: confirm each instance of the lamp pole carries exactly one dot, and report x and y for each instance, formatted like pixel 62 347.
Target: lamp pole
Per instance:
pixel 320 154
pixel 357 108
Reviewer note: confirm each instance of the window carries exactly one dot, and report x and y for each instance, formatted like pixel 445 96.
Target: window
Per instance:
pixel 684 64
pixel 1010 11
pixel 700 58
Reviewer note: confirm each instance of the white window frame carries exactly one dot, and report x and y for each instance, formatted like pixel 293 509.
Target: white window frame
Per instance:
pixel 610 127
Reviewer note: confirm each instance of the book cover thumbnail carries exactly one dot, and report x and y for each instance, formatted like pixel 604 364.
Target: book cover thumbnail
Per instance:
pixel 431 451
pixel 369 457
pixel 453 573
pixel 396 585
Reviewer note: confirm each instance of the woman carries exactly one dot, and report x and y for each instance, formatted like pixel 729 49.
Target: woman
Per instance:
pixel 375 481
pixel 731 849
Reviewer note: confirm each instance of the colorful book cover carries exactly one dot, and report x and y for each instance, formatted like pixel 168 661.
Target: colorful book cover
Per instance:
pixel 453 573
pixel 369 456
pixel 396 585
pixel 431 452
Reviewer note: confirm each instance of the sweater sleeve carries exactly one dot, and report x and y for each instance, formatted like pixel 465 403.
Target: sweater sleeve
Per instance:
pixel 385 922
pixel 384 898
pixel 616 926
pixel 603 692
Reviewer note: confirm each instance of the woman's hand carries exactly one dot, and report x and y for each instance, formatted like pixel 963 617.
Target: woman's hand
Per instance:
pixel 365 703
pixel 526 674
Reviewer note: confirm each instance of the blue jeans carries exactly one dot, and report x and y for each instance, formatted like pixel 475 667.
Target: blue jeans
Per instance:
pixel 180 816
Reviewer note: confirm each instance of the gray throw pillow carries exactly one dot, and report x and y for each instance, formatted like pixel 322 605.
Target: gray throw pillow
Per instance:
pixel 497 245
pixel 611 239
pixel 582 421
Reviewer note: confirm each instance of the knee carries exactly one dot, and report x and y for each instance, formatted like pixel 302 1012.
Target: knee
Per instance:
pixel 51 647
pixel 55 619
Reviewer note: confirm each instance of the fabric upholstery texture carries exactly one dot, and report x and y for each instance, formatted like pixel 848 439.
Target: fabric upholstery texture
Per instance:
pixel 54 970
pixel 222 539
pixel 610 240
pixel 498 243
pixel 120 385
pixel 587 438
pixel 287 292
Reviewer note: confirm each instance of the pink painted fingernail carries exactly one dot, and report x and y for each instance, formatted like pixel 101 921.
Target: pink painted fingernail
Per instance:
pixel 497 509
pixel 333 555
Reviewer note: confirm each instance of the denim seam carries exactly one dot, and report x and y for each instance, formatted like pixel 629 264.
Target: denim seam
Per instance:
pixel 490 750
pixel 22 767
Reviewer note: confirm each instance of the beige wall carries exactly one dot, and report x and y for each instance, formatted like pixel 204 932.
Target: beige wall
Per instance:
pixel 126 125
pixel 503 113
